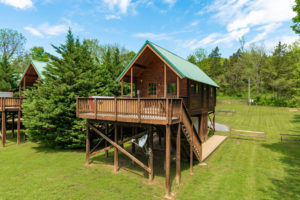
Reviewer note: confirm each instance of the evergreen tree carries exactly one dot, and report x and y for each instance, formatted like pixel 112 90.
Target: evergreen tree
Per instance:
pixel 50 110
pixel 215 65
pixel 7 75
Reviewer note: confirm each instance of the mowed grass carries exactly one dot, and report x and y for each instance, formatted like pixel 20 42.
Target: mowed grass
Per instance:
pixel 239 169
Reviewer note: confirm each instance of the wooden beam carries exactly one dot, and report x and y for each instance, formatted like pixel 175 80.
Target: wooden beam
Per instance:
pixel 191 155
pixel 19 125
pixel 87 145
pixel 178 86
pixel 124 141
pixel 120 148
pixel 3 124
pixel 140 66
pixel 168 159
pixel 131 82
pixel 178 154
pixel 116 156
pixel 165 81
pixel 13 125
pixel 106 133
pixel 150 136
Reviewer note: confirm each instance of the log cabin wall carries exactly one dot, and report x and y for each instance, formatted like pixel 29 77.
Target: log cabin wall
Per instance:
pixel 202 97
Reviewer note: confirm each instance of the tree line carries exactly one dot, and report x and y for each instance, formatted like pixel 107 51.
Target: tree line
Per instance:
pixel 274 76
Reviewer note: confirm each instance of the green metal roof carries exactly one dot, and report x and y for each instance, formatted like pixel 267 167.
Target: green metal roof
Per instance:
pixel 39 67
pixel 180 65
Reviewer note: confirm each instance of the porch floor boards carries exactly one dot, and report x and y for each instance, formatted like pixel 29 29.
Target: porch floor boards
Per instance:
pixel 209 146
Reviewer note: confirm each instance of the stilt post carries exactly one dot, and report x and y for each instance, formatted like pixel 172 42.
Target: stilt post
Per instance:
pixel 191 155
pixel 150 134
pixel 168 159
pixel 178 145
pixel 106 133
pixel 19 125
pixel 87 145
pixel 13 125
pixel 116 159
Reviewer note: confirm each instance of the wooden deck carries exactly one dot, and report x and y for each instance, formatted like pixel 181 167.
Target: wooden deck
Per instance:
pixel 134 110
pixel 211 145
pixel 10 104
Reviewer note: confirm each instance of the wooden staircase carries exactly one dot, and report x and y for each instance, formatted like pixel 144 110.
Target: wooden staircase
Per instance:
pixel 191 134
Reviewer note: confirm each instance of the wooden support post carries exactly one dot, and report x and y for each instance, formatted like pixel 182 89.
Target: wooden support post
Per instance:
pixel 19 125
pixel 116 158
pixel 131 82
pixel 121 136
pixel 178 87
pixel 13 125
pixel 168 159
pixel 191 155
pixel 106 133
pixel 165 81
pixel 150 135
pixel 87 145
pixel 122 88
pixel 3 125
pixel 178 145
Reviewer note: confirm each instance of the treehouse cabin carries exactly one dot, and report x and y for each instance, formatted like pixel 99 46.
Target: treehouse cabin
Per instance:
pixel 32 73
pixel 169 96
pixel 12 105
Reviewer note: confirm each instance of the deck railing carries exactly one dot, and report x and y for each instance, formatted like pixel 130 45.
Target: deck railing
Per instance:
pixel 143 110
pixel 7 103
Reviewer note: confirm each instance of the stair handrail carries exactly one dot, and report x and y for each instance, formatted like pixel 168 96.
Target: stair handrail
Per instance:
pixel 189 117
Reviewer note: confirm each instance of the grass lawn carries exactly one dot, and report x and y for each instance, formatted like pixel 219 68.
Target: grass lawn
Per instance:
pixel 239 169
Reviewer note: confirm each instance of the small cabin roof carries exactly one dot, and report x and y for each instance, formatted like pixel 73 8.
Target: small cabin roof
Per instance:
pixel 39 67
pixel 183 67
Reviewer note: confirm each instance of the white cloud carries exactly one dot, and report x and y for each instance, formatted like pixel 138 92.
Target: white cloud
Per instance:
pixel 153 36
pixel 170 2
pixel 121 5
pixel 47 30
pixel 20 4
pixel 108 17
pixel 266 29
pixel 194 23
pixel 194 44
pixel 33 31
pixel 242 16
pixel 54 29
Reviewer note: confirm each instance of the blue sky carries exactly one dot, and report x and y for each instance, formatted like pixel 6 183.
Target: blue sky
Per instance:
pixel 180 26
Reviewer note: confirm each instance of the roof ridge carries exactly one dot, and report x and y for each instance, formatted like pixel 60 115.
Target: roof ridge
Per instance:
pixel 172 53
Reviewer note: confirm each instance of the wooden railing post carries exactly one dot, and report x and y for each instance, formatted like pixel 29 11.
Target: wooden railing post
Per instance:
pixel 167 110
pixel 171 112
pixel 116 107
pixel 139 109
pixel 95 104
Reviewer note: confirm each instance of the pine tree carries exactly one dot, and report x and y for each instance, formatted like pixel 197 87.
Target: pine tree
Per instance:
pixel 50 110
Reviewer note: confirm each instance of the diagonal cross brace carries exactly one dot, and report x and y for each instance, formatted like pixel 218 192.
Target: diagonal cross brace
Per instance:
pixel 120 148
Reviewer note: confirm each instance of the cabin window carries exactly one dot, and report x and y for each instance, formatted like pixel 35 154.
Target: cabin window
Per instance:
pixel 152 89
pixel 171 88
pixel 197 89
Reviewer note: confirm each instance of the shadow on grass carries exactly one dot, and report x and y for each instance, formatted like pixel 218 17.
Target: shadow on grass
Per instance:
pixel 296 121
pixel 287 187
